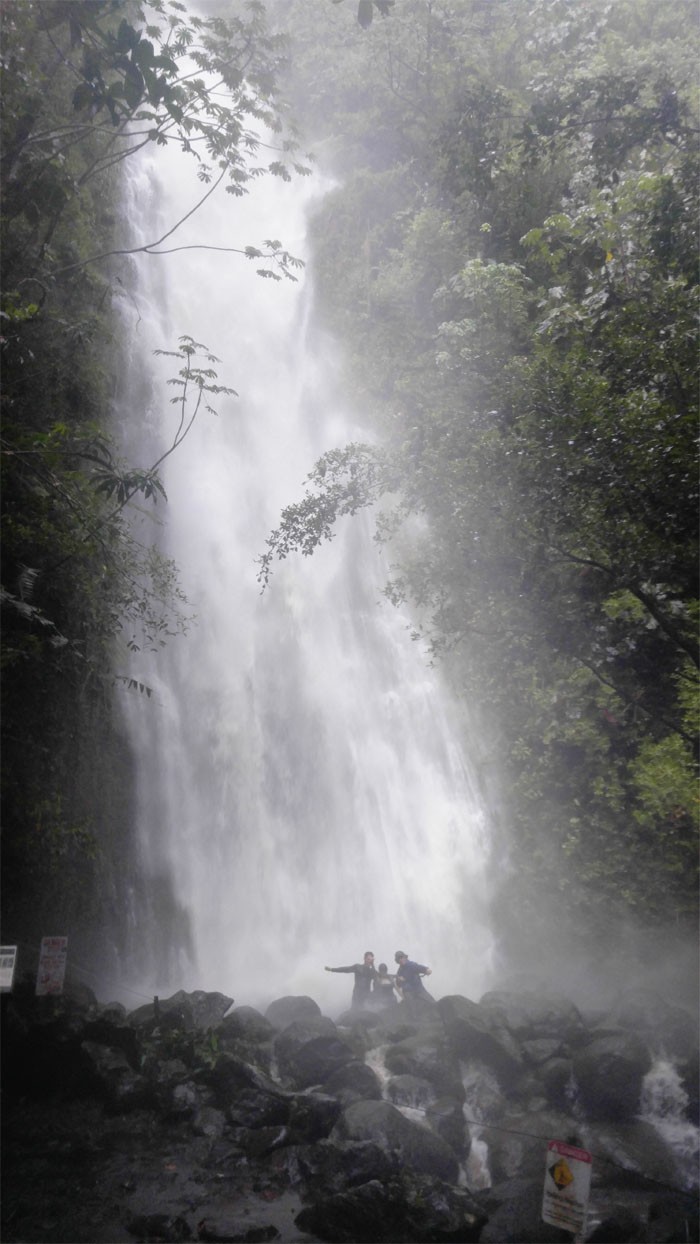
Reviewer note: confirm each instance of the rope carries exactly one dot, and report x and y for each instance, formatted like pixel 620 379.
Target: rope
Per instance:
pixel 599 1157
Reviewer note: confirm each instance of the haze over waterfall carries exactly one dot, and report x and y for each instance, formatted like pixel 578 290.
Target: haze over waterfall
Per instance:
pixel 301 784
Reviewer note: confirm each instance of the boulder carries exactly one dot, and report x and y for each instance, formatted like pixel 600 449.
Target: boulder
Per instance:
pixel 253 1107
pixel 633 1149
pixel 209 1122
pixel 446 1118
pixel 111 1027
pixel 471 1031
pixel 518 1146
pixel 187 1012
pixel 353 1081
pixel 257 1142
pixel 427 1056
pixel 609 1073
pixel 530 1016
pixel 418 1148
pixel 515 1216
pixel 247 1097
pixel 164 1075
pixel 328 1167
pixel 556 1079
pixel 310 1051
pixel 405 1209
pixel 164 1227
pixel 284 1011
pixel 312 1116
pixel 673 1216
pixel 109 1074
pixel 668 1030
pixel 541 1049
pixel 410 1091
pixel 247 1025
pixel 228 1229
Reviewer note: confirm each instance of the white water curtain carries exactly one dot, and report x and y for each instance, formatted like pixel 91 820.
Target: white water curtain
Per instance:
pixel 303 787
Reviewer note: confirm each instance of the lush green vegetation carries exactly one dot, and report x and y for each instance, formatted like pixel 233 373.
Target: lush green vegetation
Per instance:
pixel 514 233
pixel 87 84
pixel 511 259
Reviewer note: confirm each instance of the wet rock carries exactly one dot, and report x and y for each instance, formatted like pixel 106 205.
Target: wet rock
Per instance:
pixel 110 1076
pixel 185 1100
pixel 163 1076
pixel 402 1210
pixel 418 1148
pixel 240 1085
pixel 284 1011
pixel 259 1141
pixel 515 1216
pixel 471 1032
pixel 310 1051
pixel 312 1116
pixel 427 1056
pixel 517 1147
pixel 229 1231
pixel 666 1029
pixel 410 1091
pixel 353 1081
pixel 361 1019
pixel 245 1024
pixel 631 1149
pixel 530 1016
pixel 675 1216
pixel 209 1122
pixel 187 1012
pixel 252 1108
pixel 540 1050
pixel 111 1027
pixel 446 1118
pixel 329 1167
pixel 623 1227
pixel 609 1073
pixel 157 1227
pixel 555 1076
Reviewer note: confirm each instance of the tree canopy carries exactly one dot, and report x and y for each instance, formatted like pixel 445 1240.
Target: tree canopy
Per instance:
pixel 516 241
pixel 89 85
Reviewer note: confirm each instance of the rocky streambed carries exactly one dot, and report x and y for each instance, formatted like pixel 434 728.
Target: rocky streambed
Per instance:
pixel 193 1119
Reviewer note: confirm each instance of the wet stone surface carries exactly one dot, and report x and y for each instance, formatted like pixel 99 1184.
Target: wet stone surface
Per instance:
pixel 73 1174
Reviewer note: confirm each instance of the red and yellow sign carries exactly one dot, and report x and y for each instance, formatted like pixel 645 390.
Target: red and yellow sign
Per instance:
pixel 567 1183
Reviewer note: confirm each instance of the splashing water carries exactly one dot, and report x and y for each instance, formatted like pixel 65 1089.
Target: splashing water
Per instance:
pixel 303 792
pixel 664 1103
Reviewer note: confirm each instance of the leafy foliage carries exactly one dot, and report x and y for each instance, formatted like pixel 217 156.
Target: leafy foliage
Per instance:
pixel 87 86
pixel 520 287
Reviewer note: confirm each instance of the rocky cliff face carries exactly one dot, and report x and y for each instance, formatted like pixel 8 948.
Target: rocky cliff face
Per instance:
pixel 191 1119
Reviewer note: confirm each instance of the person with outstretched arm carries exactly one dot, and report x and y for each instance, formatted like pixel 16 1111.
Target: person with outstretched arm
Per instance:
pixel 365 975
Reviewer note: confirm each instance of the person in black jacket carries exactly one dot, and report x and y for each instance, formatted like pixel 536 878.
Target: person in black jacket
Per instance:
pixel 365 975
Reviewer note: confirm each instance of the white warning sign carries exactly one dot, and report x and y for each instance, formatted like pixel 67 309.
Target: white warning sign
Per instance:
pixel 8 959
pixel 567 1184
pixel 52 965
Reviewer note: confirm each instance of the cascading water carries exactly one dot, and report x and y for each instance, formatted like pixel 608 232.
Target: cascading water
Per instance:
pixel 664 1103
pixel 302 792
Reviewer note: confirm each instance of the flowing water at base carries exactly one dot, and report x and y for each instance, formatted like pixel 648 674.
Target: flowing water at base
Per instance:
pixel 664 1103
pixel 303 790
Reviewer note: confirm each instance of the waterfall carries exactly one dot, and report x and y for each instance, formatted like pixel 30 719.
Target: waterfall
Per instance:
pixel 303 791
pixel 665 1104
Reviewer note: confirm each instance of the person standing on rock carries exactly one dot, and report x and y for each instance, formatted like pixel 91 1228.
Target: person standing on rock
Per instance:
pixel 383 994
pixel 365 976
pixel 409 979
